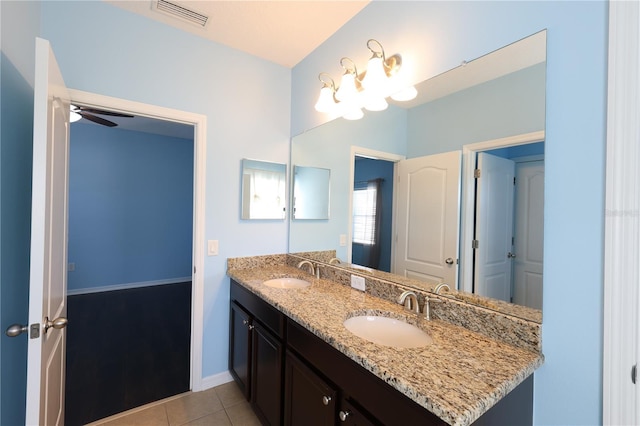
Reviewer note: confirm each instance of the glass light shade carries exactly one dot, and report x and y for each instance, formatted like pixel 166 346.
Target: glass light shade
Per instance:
pixel 375 80
pixel 347 92
pixel 325 101
pixel 374 103
pixel 405 94
pixel 74 116
pixel 353 114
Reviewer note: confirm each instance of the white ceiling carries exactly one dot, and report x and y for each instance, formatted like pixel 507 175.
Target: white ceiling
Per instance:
pixel 283 31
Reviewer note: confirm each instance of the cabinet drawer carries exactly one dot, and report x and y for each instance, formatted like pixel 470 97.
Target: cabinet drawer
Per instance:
pixel 264 313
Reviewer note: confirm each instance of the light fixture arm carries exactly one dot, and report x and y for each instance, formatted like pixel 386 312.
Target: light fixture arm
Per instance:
pixel 392 64
pixel 352 69
pixel 330 84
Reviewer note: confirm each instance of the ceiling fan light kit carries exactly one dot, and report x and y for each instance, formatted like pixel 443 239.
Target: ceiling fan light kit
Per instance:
pixel 367 90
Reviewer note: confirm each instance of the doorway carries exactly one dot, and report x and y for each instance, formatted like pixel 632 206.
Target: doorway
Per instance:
pixel 189 291
pixel 522 151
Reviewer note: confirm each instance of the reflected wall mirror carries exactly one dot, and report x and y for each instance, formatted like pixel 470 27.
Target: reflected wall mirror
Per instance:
pixel 264 185
pixel 494 105
pixel 311 193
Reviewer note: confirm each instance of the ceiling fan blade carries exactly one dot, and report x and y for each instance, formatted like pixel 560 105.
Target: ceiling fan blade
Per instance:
pixel 97 119
pixel 101 112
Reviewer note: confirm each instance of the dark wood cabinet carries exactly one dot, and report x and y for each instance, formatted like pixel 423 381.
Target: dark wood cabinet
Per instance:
pixel 266 375
pixel 256 353
pixel 293 377
pixel 240 348
pixel 309 399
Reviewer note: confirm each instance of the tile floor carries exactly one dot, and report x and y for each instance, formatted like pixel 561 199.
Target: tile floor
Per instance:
pixel 223 405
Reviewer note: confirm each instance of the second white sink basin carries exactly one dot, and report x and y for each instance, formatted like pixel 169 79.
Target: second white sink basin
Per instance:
pixel 287 283
pixel 387 331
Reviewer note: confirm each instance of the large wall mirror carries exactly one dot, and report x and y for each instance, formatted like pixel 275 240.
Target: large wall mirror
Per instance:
pixel 486 114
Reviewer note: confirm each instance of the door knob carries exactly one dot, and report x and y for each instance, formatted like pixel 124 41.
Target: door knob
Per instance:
pixel 16 329
pixel 449 261
pixel 511 255
pixel 58 323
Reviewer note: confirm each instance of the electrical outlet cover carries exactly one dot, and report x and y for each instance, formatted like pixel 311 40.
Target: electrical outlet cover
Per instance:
pixel 357 282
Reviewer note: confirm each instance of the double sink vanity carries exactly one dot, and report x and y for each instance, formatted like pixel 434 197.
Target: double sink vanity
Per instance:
pixel 310 349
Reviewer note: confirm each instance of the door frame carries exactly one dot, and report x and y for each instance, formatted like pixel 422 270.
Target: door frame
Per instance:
pixel 358 151
pixel 199 121
pixel 469 151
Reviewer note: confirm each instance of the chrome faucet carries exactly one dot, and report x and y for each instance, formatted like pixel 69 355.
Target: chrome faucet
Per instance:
pixel 440 287
pixel 428 300
pixel 409 300
pixel 312 269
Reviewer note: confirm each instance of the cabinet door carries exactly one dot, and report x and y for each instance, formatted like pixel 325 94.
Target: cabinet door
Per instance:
pixel 240 348
pixel 266 376
pixel 350 415
pixel 309 399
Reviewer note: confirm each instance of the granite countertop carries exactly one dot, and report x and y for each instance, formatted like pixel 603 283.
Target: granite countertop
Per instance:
pixel 458 377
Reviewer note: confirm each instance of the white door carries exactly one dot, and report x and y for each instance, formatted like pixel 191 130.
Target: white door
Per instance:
pixel 428 218
pixel 48 276
pixel 528 234
pixel 494 227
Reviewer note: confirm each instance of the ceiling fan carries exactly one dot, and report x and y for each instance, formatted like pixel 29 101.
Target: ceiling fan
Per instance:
pixel 79 112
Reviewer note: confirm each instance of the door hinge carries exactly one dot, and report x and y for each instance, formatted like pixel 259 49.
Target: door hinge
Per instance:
pixel 475 244
pixel 514 181
pixel 476 173
pixel 634 373
pixel 194 269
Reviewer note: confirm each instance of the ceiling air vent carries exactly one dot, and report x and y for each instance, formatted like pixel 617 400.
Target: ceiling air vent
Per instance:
pixel 181 12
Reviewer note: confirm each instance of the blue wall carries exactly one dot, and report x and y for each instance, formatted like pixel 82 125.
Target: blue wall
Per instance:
pixel 19 25
pixel 130 207
pixel 436 36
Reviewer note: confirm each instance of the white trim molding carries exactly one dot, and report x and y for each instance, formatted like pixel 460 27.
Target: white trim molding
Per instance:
pixel 621 399
pixel 216 380
pixel 199 122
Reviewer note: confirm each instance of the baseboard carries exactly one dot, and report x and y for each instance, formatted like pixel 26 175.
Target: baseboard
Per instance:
pixel 215 380
pixel 127 286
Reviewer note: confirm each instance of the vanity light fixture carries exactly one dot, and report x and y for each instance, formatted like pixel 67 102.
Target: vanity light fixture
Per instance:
pixel 368 89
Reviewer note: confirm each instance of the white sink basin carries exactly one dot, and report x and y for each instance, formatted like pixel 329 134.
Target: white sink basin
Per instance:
pixel 287 283
pixel 387 331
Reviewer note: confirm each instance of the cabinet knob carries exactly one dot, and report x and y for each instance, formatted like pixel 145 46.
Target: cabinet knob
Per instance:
pixel 326 400
pixel 251 327
pixel 344 415
pixel 245 322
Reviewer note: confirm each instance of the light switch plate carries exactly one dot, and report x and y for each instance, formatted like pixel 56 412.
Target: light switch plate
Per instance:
pixel 343 240
pixel 357 282
pixel 212 247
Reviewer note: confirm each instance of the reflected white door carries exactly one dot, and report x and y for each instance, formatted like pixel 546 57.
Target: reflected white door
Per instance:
pixel 48 271
pixel 528 234
pixel 494 227
pixel 427 212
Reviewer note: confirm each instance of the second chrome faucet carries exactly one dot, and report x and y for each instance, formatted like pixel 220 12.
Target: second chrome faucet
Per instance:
pixel 410 300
